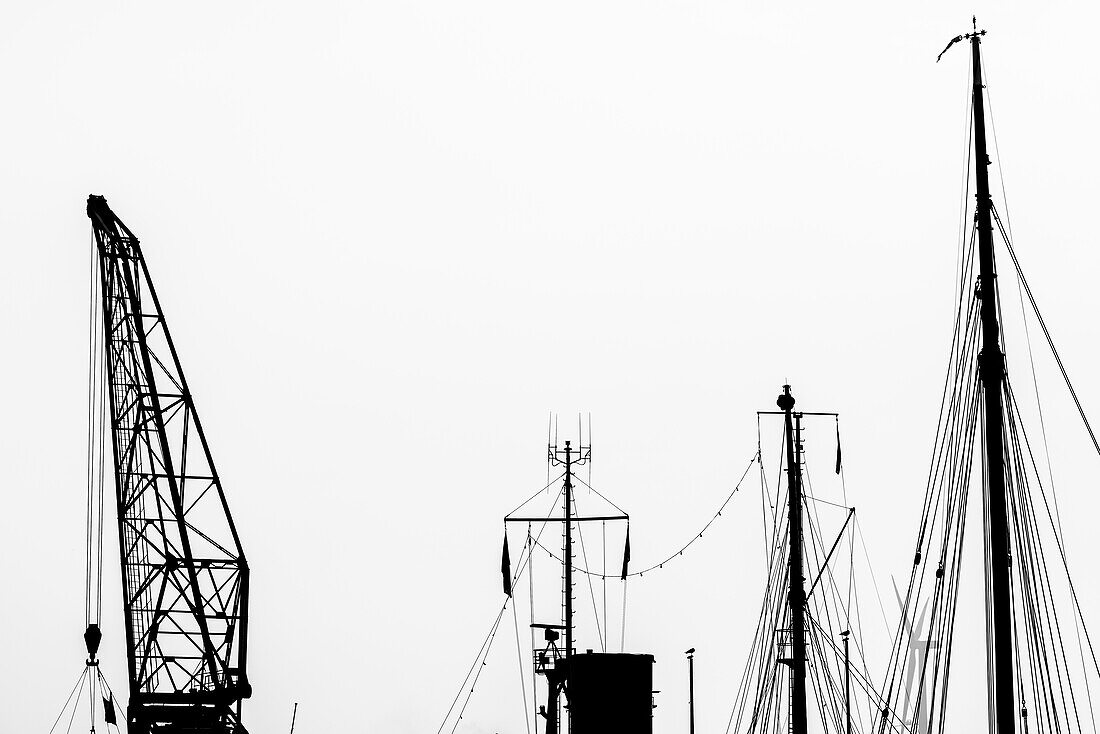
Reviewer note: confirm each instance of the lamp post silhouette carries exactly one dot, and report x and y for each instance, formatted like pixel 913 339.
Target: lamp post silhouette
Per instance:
pixel 691 690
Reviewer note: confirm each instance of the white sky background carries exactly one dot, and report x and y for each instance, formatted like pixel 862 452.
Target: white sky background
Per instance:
pixel 390 237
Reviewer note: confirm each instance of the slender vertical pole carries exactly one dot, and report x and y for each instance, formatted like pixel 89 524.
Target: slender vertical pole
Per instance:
pixel 797 594
pixel 568 573
pixel 991 368
pixel 847 685
pixel 293 717
pixel 691 693
pixel 568 552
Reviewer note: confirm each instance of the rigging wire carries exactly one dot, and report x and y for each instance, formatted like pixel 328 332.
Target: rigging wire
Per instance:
pixel 824 606
pixel 829 555
pixel 1035 380
pixel 948 463
pixel 808 496
pixel 483 654
pixel 487 642
pixel 542 489
pixel 1034 563
pixel 874 583
pixel 593 489
pixel 93 578
pixel 91 676
pixel 1006 232
pixel 591 592
pixel 68 700
pixel 83 680
pixel 519 658
pixel 1046 334
pixel 1059 545
pixel 964 203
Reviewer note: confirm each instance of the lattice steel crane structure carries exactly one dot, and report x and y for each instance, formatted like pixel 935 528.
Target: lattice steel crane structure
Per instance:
pixel 184 573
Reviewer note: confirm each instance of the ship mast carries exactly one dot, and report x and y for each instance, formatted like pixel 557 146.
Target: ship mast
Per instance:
pixel 557 664
pixel 991 369
pixel 568 518
pixel 797 595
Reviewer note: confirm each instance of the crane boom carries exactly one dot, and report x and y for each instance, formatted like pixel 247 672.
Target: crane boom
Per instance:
pixel 184 573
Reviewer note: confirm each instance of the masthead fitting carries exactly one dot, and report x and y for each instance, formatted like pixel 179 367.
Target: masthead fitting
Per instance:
pixel 786 400
pixel 972 35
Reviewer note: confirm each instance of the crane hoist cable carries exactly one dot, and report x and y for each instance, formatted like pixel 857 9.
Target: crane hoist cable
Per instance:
pixel 91 678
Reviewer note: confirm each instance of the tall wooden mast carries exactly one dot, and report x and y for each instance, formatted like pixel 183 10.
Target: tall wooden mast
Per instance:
pixel 991 367
pixel 797 593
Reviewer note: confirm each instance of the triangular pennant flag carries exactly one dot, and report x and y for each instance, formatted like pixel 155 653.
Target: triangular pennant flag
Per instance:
pixel 506 568
pixel 109 710
pixel 838 447
pixel 626 553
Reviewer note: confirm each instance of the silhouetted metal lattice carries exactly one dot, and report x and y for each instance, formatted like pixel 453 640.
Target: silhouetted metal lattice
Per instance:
pixel 184 574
